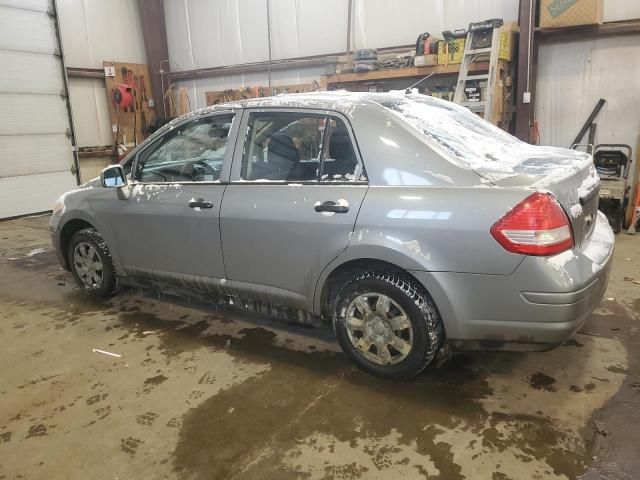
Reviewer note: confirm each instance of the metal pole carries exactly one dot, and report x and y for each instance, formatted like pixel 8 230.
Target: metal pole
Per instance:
pixel 349 21
pixel 65 80
pixel 269 41
pixel 527 53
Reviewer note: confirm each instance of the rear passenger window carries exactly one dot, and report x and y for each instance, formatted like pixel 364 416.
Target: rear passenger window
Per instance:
pixel 283 146
pixel 340 161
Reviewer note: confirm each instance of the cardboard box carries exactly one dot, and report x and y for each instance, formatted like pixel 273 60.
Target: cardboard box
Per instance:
pixel 565 13
pixel 425 60
pixel 451 53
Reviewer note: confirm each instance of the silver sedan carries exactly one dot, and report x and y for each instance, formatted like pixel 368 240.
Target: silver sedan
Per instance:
pixel 407 224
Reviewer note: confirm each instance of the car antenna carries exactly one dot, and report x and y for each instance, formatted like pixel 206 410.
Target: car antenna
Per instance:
pixel 408 89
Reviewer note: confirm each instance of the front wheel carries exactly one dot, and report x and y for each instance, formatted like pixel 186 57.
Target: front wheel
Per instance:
pixel 91 263
pixel 387 325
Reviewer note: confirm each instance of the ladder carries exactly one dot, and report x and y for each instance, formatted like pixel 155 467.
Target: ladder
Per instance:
pixel 477 48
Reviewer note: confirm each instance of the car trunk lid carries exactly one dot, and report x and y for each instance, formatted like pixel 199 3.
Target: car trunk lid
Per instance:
pixel 570 176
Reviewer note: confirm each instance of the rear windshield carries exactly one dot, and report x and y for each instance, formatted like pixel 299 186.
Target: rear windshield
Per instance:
pixel 460 132
pixel 476 143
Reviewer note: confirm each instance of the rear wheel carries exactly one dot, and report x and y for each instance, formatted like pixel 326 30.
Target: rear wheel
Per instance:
pixel 387 325
pixel 91 264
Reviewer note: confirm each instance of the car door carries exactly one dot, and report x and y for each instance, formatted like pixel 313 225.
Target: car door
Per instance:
pixel 296 186
pixel 168 227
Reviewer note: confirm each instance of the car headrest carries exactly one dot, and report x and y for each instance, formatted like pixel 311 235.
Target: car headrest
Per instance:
pixel 282 145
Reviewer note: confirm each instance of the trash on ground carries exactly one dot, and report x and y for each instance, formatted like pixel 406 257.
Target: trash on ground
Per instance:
pixel 148 332
pixel 104 352
pixel 629 279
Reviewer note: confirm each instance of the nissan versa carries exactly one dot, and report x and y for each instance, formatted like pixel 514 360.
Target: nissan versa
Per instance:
pixel 406 222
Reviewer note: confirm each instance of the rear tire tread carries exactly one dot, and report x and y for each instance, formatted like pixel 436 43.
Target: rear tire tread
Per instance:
pixel 420 299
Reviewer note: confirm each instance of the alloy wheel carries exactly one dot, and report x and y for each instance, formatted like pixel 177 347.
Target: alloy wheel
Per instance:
pixel 379 328
pixel 88 265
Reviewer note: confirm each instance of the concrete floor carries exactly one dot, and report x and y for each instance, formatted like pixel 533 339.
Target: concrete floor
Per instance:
pixel 218 394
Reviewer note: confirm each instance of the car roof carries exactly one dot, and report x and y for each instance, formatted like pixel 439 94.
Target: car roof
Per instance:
pixel 340 101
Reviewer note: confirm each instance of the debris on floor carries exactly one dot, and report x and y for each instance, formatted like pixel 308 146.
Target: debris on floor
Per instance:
pixel 104 352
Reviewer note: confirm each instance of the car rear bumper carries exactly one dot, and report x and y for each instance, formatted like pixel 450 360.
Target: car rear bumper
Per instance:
pixel 537 307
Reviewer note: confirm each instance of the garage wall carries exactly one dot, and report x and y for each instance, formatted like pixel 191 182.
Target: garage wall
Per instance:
pixel 94 31
pixel 572 76
pixel 383 23
pixel 35 152
pixel 203 33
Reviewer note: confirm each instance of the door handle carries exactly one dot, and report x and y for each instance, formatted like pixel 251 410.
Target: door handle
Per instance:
pixel 330 206
pixel 200 203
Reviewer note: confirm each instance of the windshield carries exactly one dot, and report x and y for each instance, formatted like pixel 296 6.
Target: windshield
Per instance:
pixel 475 142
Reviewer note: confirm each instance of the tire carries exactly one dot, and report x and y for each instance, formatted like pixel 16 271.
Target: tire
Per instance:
pixel 100 279
pixel 425 336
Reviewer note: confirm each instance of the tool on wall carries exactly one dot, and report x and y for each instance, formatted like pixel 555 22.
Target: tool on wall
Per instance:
pixel 131 114
pixel 122 96
pixel 483 42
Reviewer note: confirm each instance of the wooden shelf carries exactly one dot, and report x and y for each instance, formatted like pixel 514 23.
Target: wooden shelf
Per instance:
pixel 106 151
pixel 624 27
pixel 399 73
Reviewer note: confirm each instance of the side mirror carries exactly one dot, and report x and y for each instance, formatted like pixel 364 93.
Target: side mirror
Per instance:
pixel 113 176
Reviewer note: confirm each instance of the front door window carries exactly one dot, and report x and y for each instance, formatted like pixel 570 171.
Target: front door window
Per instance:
pixel 193 152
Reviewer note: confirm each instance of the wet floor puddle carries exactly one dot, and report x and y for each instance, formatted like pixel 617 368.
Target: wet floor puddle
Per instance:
pixel 311 414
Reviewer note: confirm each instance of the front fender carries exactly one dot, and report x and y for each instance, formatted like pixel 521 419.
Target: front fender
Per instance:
pixel 89 206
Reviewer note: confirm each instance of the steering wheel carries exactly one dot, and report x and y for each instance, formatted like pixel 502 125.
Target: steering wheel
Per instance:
pixel 195 169
pixel 209 169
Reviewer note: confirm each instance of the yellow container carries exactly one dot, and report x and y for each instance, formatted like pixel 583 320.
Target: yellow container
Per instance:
pixel 451 52
pixel 506 51
pixel 507 43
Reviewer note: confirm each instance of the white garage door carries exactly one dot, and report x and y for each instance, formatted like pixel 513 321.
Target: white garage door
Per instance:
pixel 35 151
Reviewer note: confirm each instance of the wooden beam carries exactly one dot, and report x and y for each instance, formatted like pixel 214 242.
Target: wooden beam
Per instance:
pixel 80 72
pixel 624 27
pixel 154 32
pixel 284 64
pixel 400 73
pixel 106 151
pixel 526 69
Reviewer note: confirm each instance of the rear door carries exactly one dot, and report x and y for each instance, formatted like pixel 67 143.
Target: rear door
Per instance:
pixel 296 186
pixel 169 226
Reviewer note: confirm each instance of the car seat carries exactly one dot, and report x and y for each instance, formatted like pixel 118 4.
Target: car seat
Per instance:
pixel 282 155
pixel 341 151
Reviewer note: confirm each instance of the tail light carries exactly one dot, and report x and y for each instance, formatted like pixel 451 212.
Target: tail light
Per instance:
pixel 536 226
